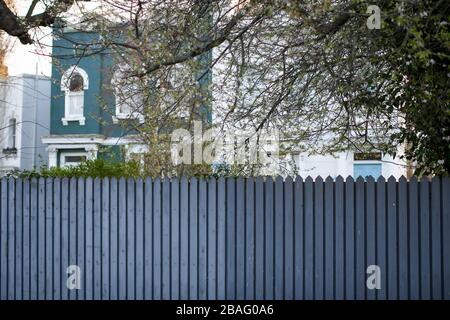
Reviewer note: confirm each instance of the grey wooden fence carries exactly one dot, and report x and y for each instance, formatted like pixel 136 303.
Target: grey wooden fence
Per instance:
pixel 225 239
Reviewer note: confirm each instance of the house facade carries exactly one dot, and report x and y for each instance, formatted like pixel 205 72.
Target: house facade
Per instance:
pixel 24 119
pixel 89 118
pixel 85 124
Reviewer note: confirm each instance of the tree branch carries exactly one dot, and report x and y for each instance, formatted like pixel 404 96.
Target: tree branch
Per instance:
pixel 9 22
pixel 20 26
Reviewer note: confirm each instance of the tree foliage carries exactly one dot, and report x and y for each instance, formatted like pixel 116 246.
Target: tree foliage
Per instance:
pixel 313 69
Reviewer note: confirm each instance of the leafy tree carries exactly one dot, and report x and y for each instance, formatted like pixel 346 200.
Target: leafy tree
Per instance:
pixel 311 68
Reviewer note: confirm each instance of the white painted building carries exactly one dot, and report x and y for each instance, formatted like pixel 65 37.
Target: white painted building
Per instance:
pixel 24 119
pixel 348 164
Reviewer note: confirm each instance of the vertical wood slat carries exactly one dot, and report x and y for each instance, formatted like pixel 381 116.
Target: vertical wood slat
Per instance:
pixel 165 236
pixel 48 238
pixel 175 239
pixel 130 239
pixel 425 243
pixel 309 239
pixel 202 240
pixel 445 194
pixel 259 238
pixel 436 240
pixel 339 204
pixel 381 260
pixel 122 241
pixel 105 240
pixel 157 243
pixel 392 239
pixel 72 219
pixel 34 240
pixel 26 240
pixel 414 245
pixel 97 237
pixel 11 231
pixel 299 237
pixel 64 233
pixel 184 239
pixel 89 242
pixel 279 239
pixel 18 271
pixel 148 239
pixel 319 272
pixel 221 283
pixel 360 234
pixel 403 264
pixel 269 239
pixel 57 268
pixel 230 242
pixel 249 225
pixel 114 239
pixel 288 243
pixel 4 239
pixel 226 238
pixel 212 240
pixel 193 239
pixel 240 214
pixel 350 239
pixel 330 243
pixel 81 235
pixel 140 254
pixel 370 241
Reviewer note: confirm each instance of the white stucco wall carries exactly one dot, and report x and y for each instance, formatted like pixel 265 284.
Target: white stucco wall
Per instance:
pixel 11 97
pixel 342 164
pixel 27 99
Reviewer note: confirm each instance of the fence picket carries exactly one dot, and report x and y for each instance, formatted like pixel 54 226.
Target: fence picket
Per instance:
pixel 4 239
pixel 18 271
pixel 81 223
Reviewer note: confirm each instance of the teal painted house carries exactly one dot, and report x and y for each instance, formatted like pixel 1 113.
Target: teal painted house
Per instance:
pixel 86 121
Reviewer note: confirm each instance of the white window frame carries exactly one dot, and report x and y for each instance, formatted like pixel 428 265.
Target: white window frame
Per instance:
pixel 64 154
pixel 119 115
pixel 68 95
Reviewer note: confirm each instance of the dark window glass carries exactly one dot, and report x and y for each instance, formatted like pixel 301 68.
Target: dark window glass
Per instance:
pixel 367 156
pixel 12 133
pixel 76 159
pixel 76 82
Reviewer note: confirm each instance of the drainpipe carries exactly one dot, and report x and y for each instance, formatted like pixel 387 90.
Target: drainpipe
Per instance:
pixel 35 88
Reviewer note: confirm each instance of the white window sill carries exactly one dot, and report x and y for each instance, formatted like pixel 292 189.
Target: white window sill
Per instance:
pixel 80 119
pixel 123 116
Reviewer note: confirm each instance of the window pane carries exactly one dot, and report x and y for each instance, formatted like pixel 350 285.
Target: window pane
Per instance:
pixel 125 108
pixel 367 156
pixel 76 83
pixel 128 94
pixel 12 133
pixel 76 103
pixel 74 159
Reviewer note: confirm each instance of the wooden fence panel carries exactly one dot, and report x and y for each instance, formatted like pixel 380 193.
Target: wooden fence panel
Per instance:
pixel 226 238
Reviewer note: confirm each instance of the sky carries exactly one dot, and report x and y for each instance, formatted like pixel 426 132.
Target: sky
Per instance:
pixel 36 57
pixel 29 58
